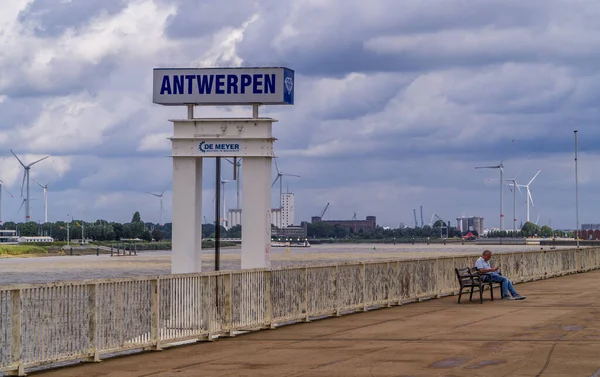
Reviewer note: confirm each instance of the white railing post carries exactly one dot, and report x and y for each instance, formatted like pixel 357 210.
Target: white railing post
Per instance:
pixel 155 315
pixel 16 360
pixel 305 298
pixel 400 284
pixel 336 281
pixel 363 275
pixel 228 305
pixel 92 314
pixel 268 300
pixel 436 290
pixel 388 286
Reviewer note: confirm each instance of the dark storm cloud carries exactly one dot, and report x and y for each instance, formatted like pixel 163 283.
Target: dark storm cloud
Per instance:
pixel 51 18
pixel 336 38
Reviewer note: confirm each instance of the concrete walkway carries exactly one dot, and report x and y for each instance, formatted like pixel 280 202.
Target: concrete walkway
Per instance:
pixel 555 332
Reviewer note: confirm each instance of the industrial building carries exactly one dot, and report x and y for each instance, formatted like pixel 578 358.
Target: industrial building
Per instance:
pixel 590 232
pixel 291 231
pixel 469 224
pixel 590 226
pixel 280 217
pixel 351 226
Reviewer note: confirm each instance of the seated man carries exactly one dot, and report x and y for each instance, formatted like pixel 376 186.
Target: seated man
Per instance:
pixel 483 266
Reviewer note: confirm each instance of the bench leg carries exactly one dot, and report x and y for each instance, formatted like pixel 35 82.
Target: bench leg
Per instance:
pixel 491 291
pixel 481 293
pixel 460 294
pixel 471 295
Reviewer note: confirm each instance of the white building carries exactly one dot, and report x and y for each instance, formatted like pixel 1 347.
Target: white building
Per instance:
pixel 35 239
pixel 234 217
pixel 279 217
pixel 287 209
pixel 276 217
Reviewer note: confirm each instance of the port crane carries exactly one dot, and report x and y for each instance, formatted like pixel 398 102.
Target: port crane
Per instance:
pixel 415 214
pixel 324 210
pixel 443 226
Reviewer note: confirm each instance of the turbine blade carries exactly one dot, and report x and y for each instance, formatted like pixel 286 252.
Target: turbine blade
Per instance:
pixel 163 191
pixel 276 166
pixel 151 193
pixel 291 175
pixel 519 188
pixel 18 159
pixel 4 187
pixel 487 167
pixel 35 162
pixel 21 207
pixel 275 181
pixel 519 172
pixel 504 158
pixel 536 174
pixel 37 182
pixel 23 183
pixel 530 197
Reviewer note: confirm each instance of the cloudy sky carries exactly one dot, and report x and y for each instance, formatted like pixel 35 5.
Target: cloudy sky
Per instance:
pixel 396 102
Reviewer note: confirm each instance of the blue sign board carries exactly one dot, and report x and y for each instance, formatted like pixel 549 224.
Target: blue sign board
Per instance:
pixel 223 86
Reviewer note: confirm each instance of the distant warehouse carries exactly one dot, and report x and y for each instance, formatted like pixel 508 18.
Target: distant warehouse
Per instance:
pixel 351 226
pixel 35 239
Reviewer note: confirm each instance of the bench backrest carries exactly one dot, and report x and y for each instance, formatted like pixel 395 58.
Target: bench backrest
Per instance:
pixel 467 276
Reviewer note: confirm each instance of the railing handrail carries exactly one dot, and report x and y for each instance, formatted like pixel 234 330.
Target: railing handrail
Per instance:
pixel 310 263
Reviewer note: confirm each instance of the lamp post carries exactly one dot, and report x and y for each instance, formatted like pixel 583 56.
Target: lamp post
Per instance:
pixel 576 195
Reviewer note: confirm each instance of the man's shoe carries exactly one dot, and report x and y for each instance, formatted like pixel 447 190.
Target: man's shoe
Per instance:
pixel 519 297
pixel 507 298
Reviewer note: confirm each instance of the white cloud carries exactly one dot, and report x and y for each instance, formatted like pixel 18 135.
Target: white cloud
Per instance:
pixel 155 142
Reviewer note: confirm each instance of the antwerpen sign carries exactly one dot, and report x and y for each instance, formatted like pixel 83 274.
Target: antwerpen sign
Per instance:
pixel 223 86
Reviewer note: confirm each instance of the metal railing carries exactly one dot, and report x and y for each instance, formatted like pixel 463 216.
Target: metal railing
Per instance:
pixel 50 323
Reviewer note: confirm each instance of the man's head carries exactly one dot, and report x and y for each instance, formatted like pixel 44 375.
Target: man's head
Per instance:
pixel 486 255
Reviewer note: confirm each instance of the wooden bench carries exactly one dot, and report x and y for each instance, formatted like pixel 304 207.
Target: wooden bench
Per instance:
pixel 472 278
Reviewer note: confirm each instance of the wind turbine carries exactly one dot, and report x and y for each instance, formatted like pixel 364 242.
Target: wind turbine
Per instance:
pixel 528 198
pixel 1 187
pixel 26 169
pixel 161 203
pixel 280 178
pixel 516 186
pixel 237 181
pixel 500 166
pixel 45 187
pixel 224 214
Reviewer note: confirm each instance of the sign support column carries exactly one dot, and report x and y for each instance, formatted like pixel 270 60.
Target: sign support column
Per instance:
pixel 256 224
pixel 186 253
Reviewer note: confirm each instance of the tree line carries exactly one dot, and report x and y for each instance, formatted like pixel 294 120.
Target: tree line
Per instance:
pixel 103 230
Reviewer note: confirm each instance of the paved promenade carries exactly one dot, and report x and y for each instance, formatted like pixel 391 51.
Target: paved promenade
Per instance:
pixel 555 332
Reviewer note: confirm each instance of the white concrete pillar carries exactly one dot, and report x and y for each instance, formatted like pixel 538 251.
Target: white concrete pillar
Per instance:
pixel 187 215
pixel 256 207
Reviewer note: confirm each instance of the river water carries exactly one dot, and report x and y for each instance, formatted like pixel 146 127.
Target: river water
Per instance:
pixel 59 268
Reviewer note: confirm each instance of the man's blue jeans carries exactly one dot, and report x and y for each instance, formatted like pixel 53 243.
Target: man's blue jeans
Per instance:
pixel 506 284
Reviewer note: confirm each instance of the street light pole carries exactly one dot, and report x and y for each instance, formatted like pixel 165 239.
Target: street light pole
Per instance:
pixel 576 194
